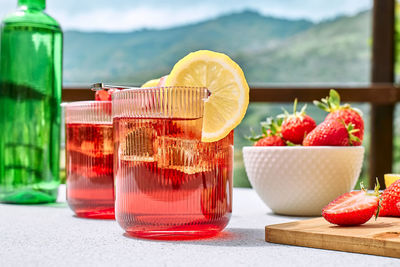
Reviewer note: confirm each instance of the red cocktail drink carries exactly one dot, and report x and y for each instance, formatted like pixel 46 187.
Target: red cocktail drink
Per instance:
pixel 89 159
pixel 169 184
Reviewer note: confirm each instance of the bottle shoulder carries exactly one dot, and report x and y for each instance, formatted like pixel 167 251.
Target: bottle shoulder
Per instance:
pixel 29 17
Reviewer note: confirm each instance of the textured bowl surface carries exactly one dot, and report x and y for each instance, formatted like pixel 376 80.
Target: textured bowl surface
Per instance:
pixel 300 181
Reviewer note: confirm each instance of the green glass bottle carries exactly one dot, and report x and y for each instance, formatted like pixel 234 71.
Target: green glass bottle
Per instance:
pixel 30 95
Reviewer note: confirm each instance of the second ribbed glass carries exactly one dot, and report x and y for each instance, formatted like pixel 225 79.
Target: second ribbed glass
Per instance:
pixel 89 159
pixel 169 184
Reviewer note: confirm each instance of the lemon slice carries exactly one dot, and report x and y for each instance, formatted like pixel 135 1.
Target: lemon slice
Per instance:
pixel 227 104
pixel 151 83
pixel 391 178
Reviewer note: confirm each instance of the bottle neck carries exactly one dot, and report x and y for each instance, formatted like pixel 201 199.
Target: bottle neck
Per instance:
pixel 32 4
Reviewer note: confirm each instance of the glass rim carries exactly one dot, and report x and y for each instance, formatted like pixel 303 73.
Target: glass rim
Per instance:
pixel 140 89
pixel 84 103
pixel 160 102
pixel 92 112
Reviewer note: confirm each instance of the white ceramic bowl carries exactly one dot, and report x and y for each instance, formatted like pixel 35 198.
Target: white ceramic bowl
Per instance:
pixel 300 180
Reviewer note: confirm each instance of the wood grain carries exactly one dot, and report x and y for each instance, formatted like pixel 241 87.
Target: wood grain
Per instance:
pixel 381 237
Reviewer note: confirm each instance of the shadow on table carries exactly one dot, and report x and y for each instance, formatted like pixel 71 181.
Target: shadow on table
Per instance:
pixel 57 205
pixel 236 237
pixel 94 219
pixel 231 237
pixel 51 205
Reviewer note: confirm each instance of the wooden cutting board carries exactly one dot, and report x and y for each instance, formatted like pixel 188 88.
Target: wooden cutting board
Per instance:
pixel 381 237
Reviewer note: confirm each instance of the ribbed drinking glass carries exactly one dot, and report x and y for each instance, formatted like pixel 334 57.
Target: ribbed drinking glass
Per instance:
pixel 89 159
pixel 169 184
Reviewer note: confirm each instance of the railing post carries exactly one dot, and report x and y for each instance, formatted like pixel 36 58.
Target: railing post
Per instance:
pixel 381 154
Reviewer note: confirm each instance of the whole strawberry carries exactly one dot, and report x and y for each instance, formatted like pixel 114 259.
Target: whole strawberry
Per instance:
pixel 344 113
pixel 297 125
pixel 331 133
pixel 271 135
pixel 270 140
pixel 390 199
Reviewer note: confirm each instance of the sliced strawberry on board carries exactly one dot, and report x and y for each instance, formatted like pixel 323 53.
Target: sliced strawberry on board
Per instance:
pixel 297 125
pixel 390 200
pixel 352 208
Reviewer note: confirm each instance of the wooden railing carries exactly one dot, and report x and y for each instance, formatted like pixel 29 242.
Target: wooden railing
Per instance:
pixel 382 94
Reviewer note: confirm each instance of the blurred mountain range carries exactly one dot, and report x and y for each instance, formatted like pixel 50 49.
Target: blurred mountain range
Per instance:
pixel 268 49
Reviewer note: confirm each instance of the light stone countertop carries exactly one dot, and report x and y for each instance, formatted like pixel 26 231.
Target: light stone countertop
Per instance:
pixel 50 235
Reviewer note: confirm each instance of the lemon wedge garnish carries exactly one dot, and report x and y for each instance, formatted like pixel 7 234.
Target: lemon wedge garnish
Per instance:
pixel 227 104
pixel 151 83
pixel 390 178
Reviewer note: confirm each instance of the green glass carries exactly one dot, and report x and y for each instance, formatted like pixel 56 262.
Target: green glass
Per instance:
pixel 30 95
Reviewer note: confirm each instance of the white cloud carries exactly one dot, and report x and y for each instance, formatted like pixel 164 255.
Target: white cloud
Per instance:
pixel 125 20
pixel 126 15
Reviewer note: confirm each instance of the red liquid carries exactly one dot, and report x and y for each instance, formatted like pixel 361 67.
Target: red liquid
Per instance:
pixel 170 185
pixel 89 165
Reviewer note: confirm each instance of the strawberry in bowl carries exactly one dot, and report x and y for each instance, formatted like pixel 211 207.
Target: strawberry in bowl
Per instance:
pixel 297 125
pixel 298 167
pixel 271 134
pixel 332 133
pixel 345 114
pixel 285 129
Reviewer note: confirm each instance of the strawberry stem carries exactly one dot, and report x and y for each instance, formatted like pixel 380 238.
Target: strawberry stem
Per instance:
pixel 351 130
pixel 269 127
pixel 334 99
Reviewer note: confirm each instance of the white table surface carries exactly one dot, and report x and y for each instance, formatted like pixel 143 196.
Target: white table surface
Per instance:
pixel 50 235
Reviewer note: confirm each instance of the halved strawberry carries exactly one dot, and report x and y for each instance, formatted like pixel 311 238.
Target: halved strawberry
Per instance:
pixel 390 199
pixel 352 208
pixel 297 125
pixel 344 113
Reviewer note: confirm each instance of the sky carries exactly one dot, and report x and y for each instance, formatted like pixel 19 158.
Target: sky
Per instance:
pixel 128 15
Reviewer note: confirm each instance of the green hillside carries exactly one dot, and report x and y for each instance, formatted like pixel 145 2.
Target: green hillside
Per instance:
pixel 332 51
pixel 269 49
pixel 138 56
